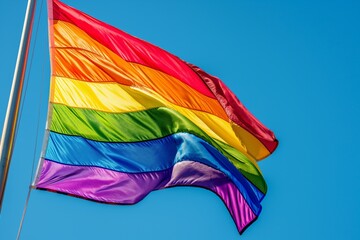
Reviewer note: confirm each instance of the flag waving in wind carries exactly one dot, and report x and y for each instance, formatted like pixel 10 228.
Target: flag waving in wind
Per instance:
pixel 127 118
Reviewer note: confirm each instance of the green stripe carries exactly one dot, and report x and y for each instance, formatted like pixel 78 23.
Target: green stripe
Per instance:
pixel 142 126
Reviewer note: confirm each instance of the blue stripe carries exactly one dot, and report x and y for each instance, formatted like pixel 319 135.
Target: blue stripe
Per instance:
pixel 148 156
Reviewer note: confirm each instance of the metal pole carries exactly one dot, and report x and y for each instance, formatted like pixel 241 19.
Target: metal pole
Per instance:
pixel 10 123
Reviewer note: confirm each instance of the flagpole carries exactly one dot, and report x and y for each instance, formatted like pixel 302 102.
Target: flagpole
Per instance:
pixel 10 123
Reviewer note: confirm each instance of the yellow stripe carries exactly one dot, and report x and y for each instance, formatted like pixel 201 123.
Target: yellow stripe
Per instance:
pixel 116 98
pixel 109 97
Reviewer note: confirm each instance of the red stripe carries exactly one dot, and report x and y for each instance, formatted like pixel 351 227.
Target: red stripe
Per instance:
pixel 236 111
pixel 130 48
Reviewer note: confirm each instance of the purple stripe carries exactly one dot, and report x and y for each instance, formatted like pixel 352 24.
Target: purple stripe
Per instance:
pixel 128 188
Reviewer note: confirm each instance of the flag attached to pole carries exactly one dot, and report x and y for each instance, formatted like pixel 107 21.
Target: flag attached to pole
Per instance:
pixel 127 118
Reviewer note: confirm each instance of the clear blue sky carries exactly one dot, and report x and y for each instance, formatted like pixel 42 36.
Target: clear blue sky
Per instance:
pixel 294 64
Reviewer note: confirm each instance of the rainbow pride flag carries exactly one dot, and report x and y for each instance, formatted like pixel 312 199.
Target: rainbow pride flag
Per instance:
pixel 127 118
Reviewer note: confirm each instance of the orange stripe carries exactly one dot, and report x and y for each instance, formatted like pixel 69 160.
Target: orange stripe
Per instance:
pixel 88 60
pixel 133 49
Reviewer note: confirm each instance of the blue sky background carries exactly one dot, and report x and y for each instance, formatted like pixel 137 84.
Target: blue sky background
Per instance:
pixel 294 64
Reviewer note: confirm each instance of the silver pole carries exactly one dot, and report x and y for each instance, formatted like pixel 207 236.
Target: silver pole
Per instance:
pixel 8 134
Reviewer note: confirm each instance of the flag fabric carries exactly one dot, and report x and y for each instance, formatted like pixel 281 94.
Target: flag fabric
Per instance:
pixel 127 118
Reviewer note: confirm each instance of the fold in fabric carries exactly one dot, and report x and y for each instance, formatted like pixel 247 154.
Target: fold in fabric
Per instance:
pixel 130 188
pixel 143 126
pixel 155 155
